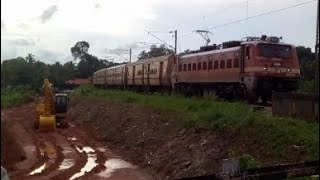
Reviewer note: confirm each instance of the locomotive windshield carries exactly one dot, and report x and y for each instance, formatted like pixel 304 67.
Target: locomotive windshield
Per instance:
pixel 275 50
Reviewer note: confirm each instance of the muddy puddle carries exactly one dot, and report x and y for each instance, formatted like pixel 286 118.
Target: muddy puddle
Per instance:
pixel 112 165
pixel 66 163
pixel 91 161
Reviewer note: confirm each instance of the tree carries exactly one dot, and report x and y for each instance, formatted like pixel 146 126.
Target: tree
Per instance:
pixel 30 58
pixel 307 62
pixel 155 51
pixel 79 49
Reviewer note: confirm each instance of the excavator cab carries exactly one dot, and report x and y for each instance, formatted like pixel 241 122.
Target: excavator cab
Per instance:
pixel 61 101
pixel 61 104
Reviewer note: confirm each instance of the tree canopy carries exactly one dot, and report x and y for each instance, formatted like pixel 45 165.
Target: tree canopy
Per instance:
pixel 80 49
pixel 29 71
pixel 155 51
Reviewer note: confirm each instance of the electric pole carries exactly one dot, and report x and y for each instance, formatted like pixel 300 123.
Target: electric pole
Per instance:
pixel 175 42
pixel 317 52
pixel 130 55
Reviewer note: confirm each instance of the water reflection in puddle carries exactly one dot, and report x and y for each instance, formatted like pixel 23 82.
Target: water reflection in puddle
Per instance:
pixel 67 150
pixel 38 170
pixel 112 165
pixel 66 164
pixel 101 149
pixel 72 139
pixel 91 161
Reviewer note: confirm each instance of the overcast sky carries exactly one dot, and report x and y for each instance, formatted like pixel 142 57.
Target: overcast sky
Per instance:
pixel 48 28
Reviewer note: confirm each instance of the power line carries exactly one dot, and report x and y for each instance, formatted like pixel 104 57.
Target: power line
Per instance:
pixel 251 17
pixel 159 39
pixel 263 14
pixel 149 43
pixel 117 54
pixel 159 31
pixel 185 35
pixel 235 4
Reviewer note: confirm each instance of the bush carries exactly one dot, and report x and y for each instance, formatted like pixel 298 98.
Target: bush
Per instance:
pixel 13 96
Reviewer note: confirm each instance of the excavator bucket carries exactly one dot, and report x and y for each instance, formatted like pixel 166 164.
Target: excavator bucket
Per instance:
pixel 47 123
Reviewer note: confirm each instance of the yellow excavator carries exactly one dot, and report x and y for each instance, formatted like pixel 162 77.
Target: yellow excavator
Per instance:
pixel 51 109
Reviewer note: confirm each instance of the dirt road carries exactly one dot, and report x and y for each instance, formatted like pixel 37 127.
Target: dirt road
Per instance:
pixel 64 154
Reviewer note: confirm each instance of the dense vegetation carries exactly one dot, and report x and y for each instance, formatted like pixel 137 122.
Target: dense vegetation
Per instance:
pixel 282 135
pixel 13 96
pixel 29 71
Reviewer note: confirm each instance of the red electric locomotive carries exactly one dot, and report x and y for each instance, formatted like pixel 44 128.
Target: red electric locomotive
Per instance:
pixel 251 68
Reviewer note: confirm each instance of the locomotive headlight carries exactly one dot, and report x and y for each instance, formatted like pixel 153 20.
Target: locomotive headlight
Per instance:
pixel 289 70
pixel 265 68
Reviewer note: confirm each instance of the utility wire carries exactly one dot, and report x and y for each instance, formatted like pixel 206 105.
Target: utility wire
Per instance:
pixel 159 39
pixel 235 4
pixel 117 54
pixel 252 17
pixel 149 43
pixel 159 31
pixel 263 14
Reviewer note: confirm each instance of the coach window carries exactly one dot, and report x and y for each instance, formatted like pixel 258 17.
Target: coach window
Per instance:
pixel 194 66
pixel 184 67
pixel 236 62
pixel 180 67
pixel 189 67
pixel 199 65
pixel 204 65
pixel 210 65
pixel 216 65
pixel 222 64
pixel 229 63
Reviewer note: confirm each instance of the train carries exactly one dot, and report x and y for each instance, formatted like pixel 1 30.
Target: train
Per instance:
pixel 250 68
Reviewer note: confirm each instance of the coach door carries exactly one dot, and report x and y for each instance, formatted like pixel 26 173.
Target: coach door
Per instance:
pixel 142 74
pixel 242 60
pixel 160 73
pixel 105 82
pixel 148 74
pixel 133 74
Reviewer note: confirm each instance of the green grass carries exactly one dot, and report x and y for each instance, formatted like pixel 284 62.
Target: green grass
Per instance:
pixel 281 134
pixel 14 96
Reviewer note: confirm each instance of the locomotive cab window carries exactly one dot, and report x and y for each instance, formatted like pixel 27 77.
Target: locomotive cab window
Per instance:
pixel 247 52
pixel 184 67
pixel 274 50
pixel 180 67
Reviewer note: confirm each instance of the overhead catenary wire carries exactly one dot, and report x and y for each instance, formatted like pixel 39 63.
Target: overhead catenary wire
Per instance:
pixel 235 4
pixel 263 14
pixel 117 54
pixel 159 39
pixel 252 17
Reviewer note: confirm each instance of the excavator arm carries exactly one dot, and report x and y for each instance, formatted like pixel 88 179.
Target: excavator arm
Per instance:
pixel 46 120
